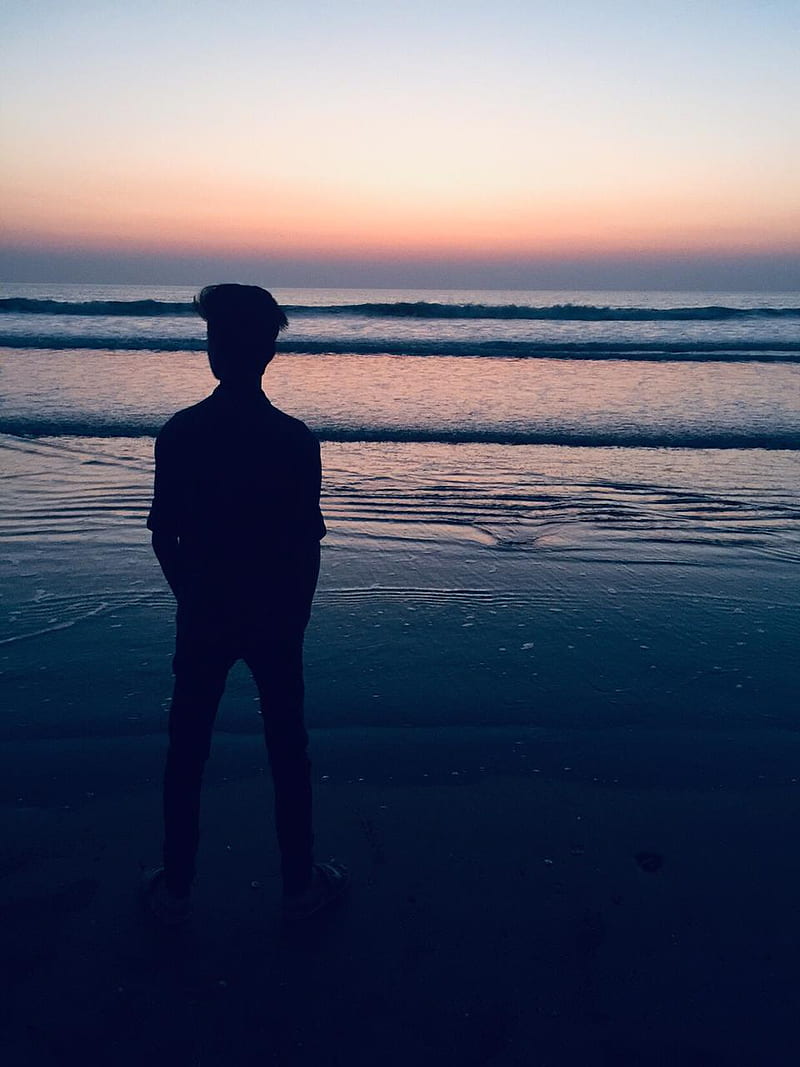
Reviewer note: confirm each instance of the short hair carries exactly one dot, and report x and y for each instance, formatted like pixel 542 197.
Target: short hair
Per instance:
pixel 240 313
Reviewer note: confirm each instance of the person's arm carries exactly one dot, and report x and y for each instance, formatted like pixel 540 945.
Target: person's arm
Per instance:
pixel 162 520
pixel 167 550
pixel 301 554
pixel 315 491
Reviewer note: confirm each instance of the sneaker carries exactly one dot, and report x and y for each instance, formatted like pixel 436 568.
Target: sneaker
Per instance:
pixel 329 882
pixel 164 906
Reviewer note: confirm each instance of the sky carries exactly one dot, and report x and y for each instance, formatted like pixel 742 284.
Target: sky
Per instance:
pixel 504 144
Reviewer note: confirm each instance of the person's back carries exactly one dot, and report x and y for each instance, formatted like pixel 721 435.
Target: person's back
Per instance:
pixel 238 482
pixel 236 527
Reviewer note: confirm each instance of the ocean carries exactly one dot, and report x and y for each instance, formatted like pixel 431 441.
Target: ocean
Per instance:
pixel 603 475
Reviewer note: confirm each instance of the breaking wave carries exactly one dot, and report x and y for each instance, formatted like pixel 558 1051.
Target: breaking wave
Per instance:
pixel 609 437
pixel 20 305
pixel 556 312
pixel 420 309
pixel 702 351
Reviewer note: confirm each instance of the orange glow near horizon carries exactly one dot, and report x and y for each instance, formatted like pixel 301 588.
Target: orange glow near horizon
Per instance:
pixel 455 133
pixel 160 216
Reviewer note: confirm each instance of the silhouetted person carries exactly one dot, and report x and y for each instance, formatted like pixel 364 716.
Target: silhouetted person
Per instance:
pixel 236 527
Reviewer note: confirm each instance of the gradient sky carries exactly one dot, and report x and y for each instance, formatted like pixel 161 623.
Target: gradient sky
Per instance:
pixel 348 142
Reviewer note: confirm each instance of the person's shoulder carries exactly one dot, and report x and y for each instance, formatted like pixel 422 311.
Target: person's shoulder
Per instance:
pixel 292 427
pixel 183 422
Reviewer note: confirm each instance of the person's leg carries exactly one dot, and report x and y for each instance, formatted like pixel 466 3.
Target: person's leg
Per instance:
pixel 276 662
pixel 200 673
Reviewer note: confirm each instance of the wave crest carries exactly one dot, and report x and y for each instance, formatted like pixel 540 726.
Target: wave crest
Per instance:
pixel 555 312
pixel 697 351
pixel 420 309
pixel 16 305
pixel 786 440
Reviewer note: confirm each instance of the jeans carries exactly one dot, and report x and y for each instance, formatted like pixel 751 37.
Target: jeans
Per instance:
pixel 203 656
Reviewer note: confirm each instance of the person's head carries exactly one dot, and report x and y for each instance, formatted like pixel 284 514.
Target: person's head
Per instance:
pixel 243 323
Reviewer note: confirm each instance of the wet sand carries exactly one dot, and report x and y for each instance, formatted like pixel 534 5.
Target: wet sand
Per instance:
pixel 569 805
pixel 496 918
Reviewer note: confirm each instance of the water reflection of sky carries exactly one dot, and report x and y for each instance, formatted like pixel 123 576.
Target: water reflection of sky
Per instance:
pixel 448 396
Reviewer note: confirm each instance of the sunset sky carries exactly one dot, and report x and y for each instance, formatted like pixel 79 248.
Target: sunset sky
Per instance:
pixel 350 142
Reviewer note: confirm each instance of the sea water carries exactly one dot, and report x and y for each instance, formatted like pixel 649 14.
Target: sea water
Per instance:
pixel 514 481
pixel 497 411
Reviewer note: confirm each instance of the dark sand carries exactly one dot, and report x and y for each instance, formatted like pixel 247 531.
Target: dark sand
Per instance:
pixel 494 919
pixel 571 818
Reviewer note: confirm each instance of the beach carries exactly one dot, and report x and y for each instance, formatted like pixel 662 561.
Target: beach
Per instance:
pixel 617 892
pixel 551 691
